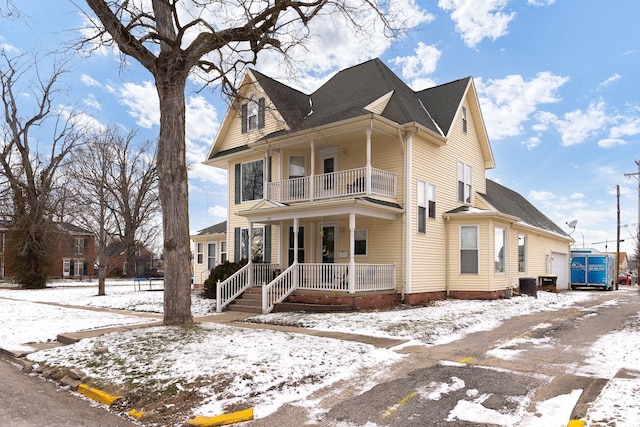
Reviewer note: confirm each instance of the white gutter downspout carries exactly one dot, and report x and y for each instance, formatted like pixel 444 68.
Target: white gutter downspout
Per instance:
pixel 447 245
pixel 408 214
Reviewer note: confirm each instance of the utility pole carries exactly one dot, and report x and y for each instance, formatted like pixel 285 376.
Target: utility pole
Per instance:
pixel 617 276
pixel 636 175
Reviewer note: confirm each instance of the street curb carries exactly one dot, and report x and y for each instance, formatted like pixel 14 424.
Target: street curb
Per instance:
pixel 576 423
pixel 97 395
pixel 222 420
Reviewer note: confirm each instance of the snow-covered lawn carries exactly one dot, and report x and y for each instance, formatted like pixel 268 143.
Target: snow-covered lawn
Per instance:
pixel 229 367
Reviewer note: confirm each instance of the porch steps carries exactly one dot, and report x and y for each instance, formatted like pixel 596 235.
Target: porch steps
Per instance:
pixel 249 302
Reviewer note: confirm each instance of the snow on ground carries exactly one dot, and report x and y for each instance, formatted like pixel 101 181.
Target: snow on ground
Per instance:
pixel 276 367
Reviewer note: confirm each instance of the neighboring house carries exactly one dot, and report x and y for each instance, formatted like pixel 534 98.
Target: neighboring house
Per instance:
pixel 210 246
pixel 367 193
pixel 117 261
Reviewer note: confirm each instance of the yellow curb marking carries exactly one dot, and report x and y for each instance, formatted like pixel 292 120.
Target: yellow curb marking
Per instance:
pixel 97 395
pixel 135 414
pixel 222 420
pixel 576 423
pixel 398 405
pixel 466 360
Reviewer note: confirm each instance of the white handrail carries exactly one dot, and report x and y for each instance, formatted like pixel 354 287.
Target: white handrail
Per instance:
pixel 279 289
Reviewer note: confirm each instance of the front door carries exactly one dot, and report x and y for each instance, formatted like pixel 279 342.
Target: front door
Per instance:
pixel 328 244
pixel 329 166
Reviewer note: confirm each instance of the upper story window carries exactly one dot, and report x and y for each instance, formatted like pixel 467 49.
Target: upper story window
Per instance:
pixel 253 114
pixel 426 204
pixel 464 119
pixel 252 180
pixel 80 245
pixel 464 182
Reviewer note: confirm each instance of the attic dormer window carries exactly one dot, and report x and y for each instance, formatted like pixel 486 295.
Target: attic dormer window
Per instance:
pixel 253 114
pixel 464 120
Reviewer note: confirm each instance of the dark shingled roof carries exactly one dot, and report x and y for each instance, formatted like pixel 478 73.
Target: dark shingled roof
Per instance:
pixel 214 229
pixel 509 202
pixel 346 94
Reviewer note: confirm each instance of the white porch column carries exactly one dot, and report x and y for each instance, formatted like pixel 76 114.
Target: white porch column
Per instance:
pixel 352 252
pixel 312 180
pixel 265 178
pixel 296 225
pixel 367 172
pixel 250 254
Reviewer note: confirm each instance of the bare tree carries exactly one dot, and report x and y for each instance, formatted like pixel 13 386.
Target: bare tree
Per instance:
pixel 171 39
pixel 89 170
pixel 30 174
pixel 133 185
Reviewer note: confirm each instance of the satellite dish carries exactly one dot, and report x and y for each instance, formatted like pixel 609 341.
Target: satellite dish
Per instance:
pixel 573 223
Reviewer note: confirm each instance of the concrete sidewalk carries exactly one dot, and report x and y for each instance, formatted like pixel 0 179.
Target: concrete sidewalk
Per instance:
pixel 228 318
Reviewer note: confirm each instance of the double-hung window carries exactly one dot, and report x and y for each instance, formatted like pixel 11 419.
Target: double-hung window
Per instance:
pixel 469 249
pixel 522 253
pixel 464 182
pixel 360 238
pixel 426 204
pixel 252 180
pixel 257 244
pixel 200 253
pixel 253 114
pixel 500 248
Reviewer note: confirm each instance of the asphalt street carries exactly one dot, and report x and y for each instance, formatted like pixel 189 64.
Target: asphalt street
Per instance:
pixel 27 401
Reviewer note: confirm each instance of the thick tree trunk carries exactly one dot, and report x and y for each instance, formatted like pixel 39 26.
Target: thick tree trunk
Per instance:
pixel 174 197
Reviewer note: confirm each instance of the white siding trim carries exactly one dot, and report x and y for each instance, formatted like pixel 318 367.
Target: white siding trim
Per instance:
pixel 408 194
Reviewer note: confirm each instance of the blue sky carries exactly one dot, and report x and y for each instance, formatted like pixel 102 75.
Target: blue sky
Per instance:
pixel 557 81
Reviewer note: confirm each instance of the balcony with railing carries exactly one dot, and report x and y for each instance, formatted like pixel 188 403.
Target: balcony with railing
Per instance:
pixel 344 183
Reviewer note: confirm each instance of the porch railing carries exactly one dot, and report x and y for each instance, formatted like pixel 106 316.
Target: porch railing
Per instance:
pixel 279 289
pixel 240 281
pixel 335 184
pixel 321 277
pixel 375 277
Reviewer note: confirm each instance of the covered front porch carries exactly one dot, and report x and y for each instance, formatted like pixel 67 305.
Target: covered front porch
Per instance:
pixel 313 233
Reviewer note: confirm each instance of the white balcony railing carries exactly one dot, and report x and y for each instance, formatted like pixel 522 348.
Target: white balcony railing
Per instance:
pixel 330 185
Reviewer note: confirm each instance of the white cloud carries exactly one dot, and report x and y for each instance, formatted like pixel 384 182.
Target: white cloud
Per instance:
pixel 201 119
pixel 477 20
pixel 532 142
pixel 91 101
pixel 629 127
pixel 507 103
pixel 541 2
pixel 577 125
pixel 89 81
pixel 416 67
pixel 143 103
pixel 611 142
pixel 613 78
pixel 219 213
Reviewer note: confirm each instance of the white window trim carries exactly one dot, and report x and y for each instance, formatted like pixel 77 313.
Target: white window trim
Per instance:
pixel 242 196
pixel 200 253
pixel 465 175
pixel 477 248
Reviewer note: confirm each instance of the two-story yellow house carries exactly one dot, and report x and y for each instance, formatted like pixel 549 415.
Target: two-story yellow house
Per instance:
pixel 367 193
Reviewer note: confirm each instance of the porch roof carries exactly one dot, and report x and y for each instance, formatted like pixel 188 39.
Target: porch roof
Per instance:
pixel 267 212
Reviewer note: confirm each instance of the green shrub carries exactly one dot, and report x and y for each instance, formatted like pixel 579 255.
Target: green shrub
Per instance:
pixel 221 272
